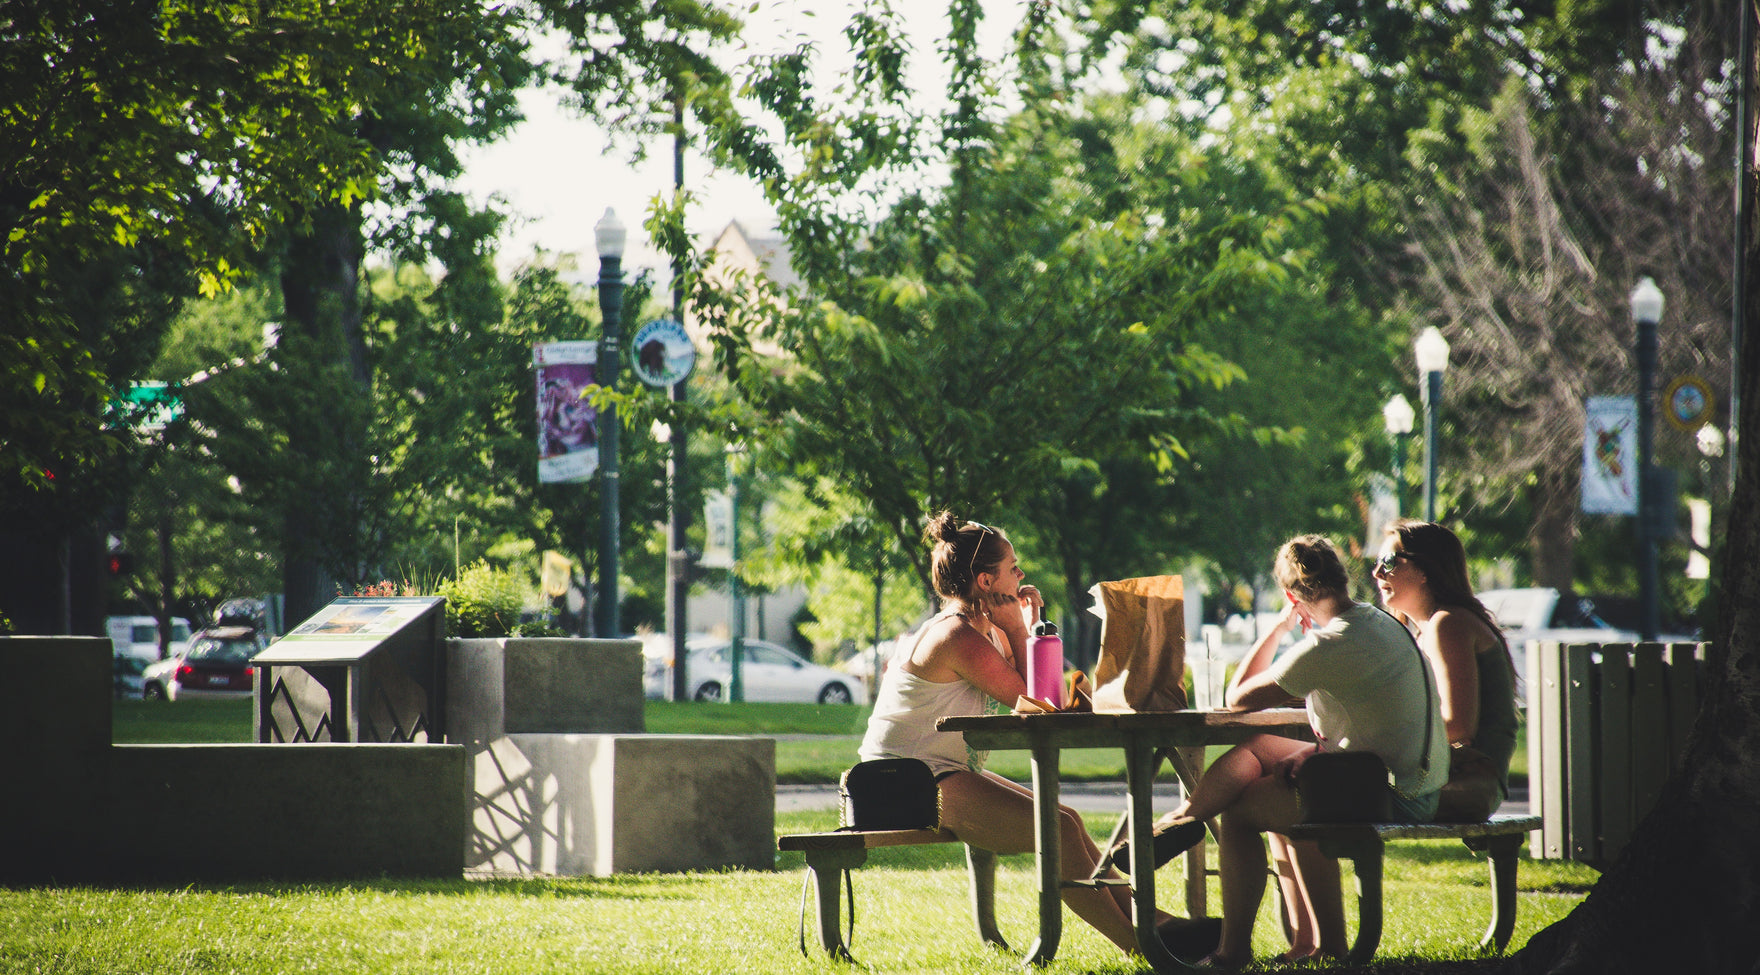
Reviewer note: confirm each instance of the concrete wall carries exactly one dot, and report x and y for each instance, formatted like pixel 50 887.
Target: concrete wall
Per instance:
pixel 289 812
pixel 513 686
pixel 78 809
pixel 566 784
pixel 55 725
pixel 595 805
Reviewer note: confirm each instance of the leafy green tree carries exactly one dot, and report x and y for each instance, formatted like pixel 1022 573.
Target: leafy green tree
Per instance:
pixel 993 345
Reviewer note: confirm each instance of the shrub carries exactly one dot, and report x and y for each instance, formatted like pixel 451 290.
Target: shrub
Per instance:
pixel 483 601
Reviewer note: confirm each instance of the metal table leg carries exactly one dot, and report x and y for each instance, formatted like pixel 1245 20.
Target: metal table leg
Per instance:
pixel 1048 855
pixel 1140 765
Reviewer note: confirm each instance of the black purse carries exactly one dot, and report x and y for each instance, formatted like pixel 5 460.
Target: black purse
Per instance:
pixel 889 793
pixel 1344 787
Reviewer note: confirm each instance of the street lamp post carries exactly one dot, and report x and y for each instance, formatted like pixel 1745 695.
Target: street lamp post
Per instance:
pixel 1647 313
pixel 1398 414
pixel 608 236
pixel 736 616
pixel 1431 351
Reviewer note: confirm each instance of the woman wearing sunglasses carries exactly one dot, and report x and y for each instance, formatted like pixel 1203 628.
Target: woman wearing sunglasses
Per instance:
pixel 973 650
pixel 1366 688
pixel 1421 574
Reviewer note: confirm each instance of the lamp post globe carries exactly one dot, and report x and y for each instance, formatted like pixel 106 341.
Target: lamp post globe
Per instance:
pixel 608 236
pixel 1431 352
pixel 1398 416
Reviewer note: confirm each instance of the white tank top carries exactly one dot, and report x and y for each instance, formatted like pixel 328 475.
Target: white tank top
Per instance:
pixel 903 722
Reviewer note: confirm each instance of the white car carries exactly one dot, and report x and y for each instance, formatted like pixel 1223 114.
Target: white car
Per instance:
pixel 767 673
pixel 138 636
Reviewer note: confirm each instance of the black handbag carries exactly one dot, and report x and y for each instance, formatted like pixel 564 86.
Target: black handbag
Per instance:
pixel 889 793
pixel 1344 787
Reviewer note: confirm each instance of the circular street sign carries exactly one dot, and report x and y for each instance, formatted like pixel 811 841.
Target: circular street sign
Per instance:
pixel 664 355
pixel 1689 403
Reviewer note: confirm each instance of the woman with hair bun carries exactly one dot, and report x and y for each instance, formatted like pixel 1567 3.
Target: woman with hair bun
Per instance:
pixel 974 649
pixel 1366 688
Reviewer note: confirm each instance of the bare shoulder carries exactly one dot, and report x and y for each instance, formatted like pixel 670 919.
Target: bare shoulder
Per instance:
pixel 946 641
pixel 1460 631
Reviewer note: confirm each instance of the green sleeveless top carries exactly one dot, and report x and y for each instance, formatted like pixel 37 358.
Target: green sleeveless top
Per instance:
pixel 1496 735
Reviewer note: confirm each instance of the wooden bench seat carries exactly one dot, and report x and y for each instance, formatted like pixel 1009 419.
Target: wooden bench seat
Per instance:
pixel 1365 843
pixel 829 854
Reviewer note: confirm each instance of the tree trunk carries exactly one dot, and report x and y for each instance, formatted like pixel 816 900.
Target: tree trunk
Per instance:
pixel 320 284
pixel 1685 895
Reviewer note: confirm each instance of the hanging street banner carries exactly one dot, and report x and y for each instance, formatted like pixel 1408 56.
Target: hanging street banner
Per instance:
pixel 717 530
pixel 568 435
pixel 1610 456
pixel 664 353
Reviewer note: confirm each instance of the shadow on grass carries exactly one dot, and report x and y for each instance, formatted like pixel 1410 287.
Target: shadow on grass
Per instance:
pixel 625 887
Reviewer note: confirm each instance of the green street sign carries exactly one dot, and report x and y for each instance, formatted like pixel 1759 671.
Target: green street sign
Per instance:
pixel 143 406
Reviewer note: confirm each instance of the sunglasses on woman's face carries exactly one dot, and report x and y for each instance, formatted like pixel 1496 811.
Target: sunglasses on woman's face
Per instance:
pixel 1384 565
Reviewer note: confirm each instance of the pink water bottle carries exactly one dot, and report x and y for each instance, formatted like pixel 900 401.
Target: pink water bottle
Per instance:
pixel 1045 663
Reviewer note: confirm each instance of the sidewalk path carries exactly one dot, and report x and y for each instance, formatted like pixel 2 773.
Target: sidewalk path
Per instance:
pixel 1085 797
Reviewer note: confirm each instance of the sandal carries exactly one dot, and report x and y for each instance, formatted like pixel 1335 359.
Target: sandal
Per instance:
pixel 1171 840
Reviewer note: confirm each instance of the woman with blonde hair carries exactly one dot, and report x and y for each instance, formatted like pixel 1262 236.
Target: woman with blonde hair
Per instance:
pixel 1421 574
pixel 1366 688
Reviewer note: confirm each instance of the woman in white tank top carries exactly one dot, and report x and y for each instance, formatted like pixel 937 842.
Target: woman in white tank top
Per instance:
pixel 976 649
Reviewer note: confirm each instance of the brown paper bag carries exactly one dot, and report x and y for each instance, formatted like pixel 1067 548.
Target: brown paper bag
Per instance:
pixel 1142 645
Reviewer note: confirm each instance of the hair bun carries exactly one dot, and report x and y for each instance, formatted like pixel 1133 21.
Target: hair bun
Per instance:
pixel 942 527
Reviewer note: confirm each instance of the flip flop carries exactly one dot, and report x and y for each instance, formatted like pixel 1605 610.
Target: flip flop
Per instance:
pixel 1170 841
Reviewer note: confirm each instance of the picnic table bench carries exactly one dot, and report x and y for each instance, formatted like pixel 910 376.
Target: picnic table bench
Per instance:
pixel 831 854
pixel 1365 843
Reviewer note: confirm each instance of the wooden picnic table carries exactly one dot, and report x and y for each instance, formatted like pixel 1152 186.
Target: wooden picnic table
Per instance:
pixel 1146 737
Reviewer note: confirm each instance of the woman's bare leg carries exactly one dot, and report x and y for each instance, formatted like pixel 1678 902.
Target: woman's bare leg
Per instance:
pixel 1263 805
pixel 992 813
pixel 1299 922
pixel 1230 775
pixel 1318 877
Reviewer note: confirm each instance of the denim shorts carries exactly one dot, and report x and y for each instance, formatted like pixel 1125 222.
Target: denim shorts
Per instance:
pixel 1418 809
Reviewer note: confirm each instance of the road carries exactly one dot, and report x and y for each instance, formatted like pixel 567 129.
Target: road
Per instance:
pixel 1085 797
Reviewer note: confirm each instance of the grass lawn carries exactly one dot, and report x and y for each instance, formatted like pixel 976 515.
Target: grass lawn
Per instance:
pixel 912 912
pixel 911 918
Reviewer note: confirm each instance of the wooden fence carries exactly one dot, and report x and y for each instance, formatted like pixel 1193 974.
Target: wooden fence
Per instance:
pixel 1607 725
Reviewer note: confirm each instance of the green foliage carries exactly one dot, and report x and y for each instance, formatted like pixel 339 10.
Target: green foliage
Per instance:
pixel 483 601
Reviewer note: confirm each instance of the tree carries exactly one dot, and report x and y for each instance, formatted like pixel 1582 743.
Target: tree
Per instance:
pixel 1684 893
pixel 1527 255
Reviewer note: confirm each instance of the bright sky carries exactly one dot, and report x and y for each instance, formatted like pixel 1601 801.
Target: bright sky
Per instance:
pixel 555 173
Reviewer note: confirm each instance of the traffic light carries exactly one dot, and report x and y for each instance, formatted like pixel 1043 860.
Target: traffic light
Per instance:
pixel 121 563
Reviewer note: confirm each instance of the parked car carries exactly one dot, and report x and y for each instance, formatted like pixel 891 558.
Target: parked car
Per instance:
pixel 138 636
pixel 125 672
pixel 217 664
pixel 767 673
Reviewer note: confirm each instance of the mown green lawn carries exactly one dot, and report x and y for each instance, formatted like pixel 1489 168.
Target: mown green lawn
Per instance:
pixel 912 915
